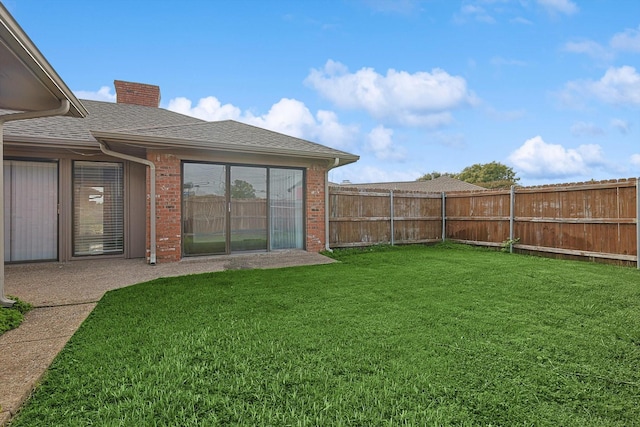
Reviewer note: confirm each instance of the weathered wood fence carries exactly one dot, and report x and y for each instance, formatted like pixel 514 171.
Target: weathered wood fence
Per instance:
pixel 592 220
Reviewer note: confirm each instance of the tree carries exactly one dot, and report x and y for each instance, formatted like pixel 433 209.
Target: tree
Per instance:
pixel 434 175
pixel 489 175
pixel 242 190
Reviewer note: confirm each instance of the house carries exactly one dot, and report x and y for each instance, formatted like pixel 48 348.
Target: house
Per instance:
pixel 132 180
pixel 442 184
pixel 89 184
pixel 29 87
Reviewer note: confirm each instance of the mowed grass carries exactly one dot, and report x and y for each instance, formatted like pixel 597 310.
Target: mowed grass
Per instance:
pixel 425 336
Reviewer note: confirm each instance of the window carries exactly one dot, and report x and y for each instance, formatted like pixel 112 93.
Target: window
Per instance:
pixel 98 214
pixel 233 208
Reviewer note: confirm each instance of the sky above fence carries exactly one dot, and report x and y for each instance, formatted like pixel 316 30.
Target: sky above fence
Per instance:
pixel 548 87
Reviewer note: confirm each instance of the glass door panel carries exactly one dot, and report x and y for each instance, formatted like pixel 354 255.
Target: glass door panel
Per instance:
pixel 286 205
pixel 204 209
pixel 248 218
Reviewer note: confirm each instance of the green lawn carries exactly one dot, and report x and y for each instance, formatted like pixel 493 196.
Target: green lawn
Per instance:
pixel 444 335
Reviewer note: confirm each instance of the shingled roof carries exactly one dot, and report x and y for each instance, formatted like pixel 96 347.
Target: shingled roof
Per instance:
pixel 438 185
pixel 157 126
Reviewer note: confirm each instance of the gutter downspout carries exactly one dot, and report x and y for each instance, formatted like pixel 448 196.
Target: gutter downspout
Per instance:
pixel 60 111
pixel 336 162
pixel 152 194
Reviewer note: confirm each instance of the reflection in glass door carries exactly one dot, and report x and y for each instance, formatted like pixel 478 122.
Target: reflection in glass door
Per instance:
pixel 204 209
pixel 248 220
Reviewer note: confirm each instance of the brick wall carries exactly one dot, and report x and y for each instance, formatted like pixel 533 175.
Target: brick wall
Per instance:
pixel 168 210
pixel 316 208
pixel 137 93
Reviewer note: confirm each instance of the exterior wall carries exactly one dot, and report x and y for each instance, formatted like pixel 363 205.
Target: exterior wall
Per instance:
pixel 316 208
pixel 168 210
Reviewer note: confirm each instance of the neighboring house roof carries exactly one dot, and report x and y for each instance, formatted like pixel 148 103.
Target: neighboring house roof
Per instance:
pixel 437 185
pixel 150 126
pixel 28 82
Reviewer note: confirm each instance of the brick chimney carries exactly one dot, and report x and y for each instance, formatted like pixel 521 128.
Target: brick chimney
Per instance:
pixel 137 93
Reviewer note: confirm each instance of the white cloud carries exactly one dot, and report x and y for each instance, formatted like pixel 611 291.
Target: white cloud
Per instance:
pixel 559 6
pixel 635 160
pixel 590 48
pixel 360 174
pixel 292 117
pixel 621 125
pixel 208 108
pixel 419 99
pixel 474 12
pixel 380 142
pixel 537 159
pixel 618 86
pixel 103 94
pixel 583 128
pixel 628 40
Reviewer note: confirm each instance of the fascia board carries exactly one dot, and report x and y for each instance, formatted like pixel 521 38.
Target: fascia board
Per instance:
pixel 164 143
pixel 17 41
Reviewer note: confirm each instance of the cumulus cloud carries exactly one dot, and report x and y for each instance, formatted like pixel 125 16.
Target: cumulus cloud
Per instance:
pixel 208 108
pixel 538 159
pixel 586 129
pixel 287 116
pixel 628 40
pixel 619 86
pixel 380 142
pixel 102 94
pixel 419 99
pixel 559 6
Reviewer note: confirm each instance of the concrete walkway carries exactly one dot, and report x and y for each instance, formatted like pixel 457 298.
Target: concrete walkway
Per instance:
pixel 65 293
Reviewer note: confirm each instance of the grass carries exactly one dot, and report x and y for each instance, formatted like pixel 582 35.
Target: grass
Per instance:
pixel 11 318
pixel 445 335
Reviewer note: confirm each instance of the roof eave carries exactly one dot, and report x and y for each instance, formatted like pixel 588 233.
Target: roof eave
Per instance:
pixel 162 142
pixel 34 68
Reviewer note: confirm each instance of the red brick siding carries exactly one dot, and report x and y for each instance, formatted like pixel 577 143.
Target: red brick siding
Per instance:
pixel 137 93
pixel 316 208
pixel 168 209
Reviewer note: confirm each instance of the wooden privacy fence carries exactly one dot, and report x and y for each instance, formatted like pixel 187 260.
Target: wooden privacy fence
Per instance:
pixel 593 220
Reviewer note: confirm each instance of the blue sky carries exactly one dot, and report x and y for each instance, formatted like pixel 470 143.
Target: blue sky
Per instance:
pixel 548 87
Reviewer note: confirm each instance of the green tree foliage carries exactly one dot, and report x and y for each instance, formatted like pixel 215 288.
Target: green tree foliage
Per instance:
pixel 489 175
pixel 434 175
pixel 242 190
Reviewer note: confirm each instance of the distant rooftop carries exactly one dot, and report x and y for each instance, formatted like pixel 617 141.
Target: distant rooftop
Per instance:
pixel 438 185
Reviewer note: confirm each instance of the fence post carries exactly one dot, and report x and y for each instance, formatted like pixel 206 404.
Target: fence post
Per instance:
pixel 638 223
pixel 444 217
pixel 512 205
pixel 392 228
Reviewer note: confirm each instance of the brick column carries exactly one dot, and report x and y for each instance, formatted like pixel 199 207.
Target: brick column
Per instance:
pixel 316 208
pixel 168 211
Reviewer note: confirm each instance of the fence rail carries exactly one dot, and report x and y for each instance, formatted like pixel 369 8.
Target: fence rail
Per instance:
pixel 595 220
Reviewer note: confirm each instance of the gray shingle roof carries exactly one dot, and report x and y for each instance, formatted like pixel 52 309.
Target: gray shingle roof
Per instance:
pixel 133 121
pixel 438 185
pixel 234 133
pixel 102 116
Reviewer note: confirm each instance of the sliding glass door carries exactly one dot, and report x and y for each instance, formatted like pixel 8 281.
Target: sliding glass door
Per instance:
pixel 248 191
pixel 30 211
pixel 229 208
pixel 204 209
